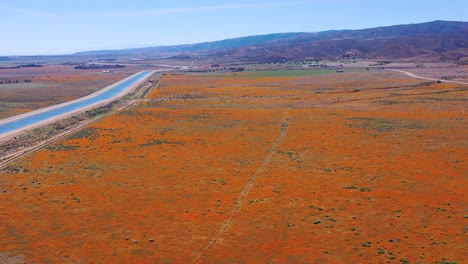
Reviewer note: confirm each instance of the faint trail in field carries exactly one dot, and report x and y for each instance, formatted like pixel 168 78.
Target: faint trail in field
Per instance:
pixel 426 78
pixel 246 190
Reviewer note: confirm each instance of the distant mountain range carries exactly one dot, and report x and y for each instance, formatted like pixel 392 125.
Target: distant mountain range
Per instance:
pixel 439 40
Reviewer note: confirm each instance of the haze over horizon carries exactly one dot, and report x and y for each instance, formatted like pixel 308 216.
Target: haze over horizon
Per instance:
pixel 52 27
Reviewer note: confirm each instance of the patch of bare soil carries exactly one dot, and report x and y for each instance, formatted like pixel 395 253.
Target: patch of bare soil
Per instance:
pixel 11 258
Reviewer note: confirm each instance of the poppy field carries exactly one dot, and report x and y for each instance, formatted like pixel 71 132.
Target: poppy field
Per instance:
pixel 252 167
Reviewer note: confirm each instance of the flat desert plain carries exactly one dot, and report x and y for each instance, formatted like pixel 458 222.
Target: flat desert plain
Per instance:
pixel 253 167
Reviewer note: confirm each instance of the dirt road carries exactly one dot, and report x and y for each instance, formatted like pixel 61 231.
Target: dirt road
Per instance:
pixel 245 191
pixel 426 78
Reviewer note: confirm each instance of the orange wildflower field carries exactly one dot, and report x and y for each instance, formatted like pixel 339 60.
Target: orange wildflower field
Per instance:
pixel 253 167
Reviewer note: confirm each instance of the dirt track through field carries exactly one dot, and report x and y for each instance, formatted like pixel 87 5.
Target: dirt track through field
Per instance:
pixel 426 78
pixel 249 168
pixel 245 191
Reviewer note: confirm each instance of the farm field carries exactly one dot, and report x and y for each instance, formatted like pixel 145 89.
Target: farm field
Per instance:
pixel 252 167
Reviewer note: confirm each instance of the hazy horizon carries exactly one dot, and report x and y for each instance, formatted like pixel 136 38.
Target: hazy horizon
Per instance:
pixel 52 28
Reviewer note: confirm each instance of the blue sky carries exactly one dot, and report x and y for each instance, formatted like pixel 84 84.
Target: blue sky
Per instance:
pixel 32 27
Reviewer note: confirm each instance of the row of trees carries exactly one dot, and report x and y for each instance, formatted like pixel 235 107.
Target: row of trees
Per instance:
pixel 98 66
pixel 15 81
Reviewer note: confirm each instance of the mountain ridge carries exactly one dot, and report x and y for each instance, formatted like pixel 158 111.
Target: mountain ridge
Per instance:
pixel 446 39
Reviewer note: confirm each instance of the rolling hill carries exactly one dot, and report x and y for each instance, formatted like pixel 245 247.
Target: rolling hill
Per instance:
pixel 441 40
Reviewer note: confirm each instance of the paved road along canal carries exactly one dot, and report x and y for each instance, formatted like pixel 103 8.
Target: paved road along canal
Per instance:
pixel 19 122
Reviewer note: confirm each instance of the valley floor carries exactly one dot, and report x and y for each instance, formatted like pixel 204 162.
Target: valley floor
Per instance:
pixel 252 167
